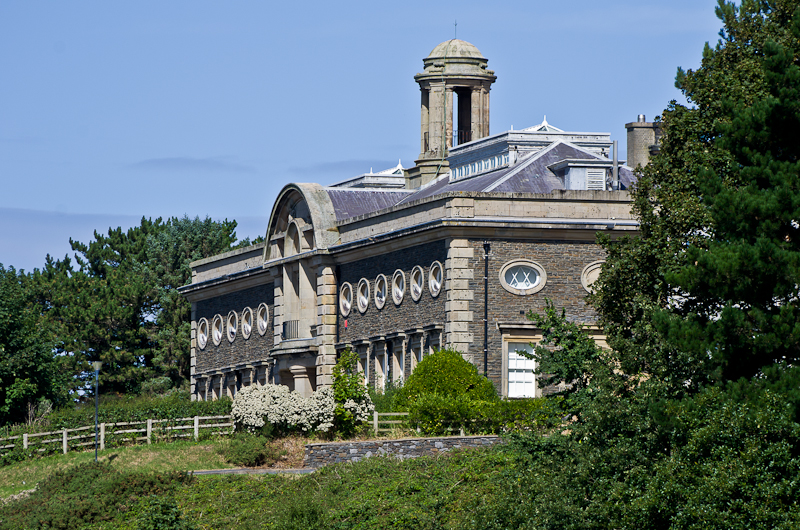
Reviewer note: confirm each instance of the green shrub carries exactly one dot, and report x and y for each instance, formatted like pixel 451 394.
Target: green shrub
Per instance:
pixel 445 373
pixel 86 495
pixel 385 400
pixel 435 414
pixel 245 449
pixel 353 403
pixel 158 513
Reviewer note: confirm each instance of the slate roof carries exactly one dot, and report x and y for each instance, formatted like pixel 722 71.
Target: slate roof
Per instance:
pixel 529 175
pixel 351 202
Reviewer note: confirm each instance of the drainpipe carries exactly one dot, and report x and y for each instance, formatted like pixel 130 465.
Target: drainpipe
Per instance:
pixel 486 248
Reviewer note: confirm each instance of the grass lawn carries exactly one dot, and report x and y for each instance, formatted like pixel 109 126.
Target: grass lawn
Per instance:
pixel 172 456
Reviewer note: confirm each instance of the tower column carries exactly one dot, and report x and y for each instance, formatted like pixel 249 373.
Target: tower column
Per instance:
pixel 485 112
pixel 424 107
pixel 448 97
pixel 476 113
pixel 436 119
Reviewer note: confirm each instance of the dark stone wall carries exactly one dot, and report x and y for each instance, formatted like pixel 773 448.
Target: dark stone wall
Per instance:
pixel 392 318
pixel 241 350
pixel 562 260
pixel 409 314
pixel 318 455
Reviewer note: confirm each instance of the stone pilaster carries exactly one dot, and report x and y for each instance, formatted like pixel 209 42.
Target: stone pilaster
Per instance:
pixel 326 323
pixel 458 315
pixel 278 308
pixel 193 354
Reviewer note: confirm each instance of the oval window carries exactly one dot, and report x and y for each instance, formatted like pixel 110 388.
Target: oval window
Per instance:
pixel 233 324
pixel 380 291
pixel 590 274
pixel 435 277
pixel 216 330
pixel 398 286
pixel 417 281
pixel 345 299
pixel 262 319
pixel 363 295
pixel 523 277
pixel 202 333
pixel 247 322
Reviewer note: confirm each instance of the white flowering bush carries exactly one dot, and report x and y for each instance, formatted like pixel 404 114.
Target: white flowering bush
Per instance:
pixel 255 406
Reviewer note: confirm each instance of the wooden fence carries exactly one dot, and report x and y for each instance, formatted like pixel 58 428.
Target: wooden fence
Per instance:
pixel 377 421
pixel 119 433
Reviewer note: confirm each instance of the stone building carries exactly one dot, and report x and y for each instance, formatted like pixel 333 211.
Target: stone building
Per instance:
pixel 451 252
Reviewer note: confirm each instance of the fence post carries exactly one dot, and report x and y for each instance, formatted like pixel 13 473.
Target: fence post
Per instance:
pixel 25 441
pixel 149 430
pixel 196 428
pixel 102 436
pixel 64 442
pixel 375 421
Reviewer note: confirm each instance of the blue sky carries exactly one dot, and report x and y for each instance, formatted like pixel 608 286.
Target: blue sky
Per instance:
pixel 112 111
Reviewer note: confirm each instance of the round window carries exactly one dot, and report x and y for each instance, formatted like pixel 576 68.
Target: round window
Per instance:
pixel 522 277
pixel 417 281
pixel 435 277
pixel 590 274
pixel 380 291
pixel 363 295
pixel 398 286
pixel 216 330
pixel 262 319
pixel 247 322
pixel 202 333
pixel 233 324
pixel 345 299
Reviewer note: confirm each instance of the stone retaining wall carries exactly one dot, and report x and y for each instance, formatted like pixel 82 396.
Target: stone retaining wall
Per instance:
pixel 318 455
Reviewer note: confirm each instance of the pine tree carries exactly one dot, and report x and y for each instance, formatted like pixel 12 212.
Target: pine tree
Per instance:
pixel 709 291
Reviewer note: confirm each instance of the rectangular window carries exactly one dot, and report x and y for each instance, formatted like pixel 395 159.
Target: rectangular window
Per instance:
pixel 521 379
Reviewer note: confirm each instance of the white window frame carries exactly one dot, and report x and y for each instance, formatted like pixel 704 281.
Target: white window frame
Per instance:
pixel 507 341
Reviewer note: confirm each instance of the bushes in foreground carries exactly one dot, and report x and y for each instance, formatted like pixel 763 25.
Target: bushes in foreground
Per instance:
pixel 85 496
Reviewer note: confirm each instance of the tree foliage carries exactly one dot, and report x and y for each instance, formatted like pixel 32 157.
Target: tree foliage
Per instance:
pixel 119 302
pixel 709 292
pixel 28 370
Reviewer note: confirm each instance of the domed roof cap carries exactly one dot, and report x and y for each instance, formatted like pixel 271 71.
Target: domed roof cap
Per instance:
pixel 455 59
pixel 455 48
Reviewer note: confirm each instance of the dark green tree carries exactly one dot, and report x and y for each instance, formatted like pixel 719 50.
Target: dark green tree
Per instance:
pixel 120 304
pixel 29 372
pixel 709 292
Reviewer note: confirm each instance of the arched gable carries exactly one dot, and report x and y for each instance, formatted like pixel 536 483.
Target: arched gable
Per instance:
pixel 302 219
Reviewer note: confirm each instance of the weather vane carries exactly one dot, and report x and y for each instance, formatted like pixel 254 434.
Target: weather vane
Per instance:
pixel 455 29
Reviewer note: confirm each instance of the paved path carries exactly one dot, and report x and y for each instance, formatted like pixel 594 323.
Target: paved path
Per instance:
pixel 248 471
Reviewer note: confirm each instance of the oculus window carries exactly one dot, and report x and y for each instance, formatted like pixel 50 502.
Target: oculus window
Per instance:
pixel 523 277
pixel 398 286
pixel 345 299
pixel 380 291
pixel 417 282
pixel 363 295
pixel 216 330
pixel 247 322
pixel 233 324
pixel 262 319
pixel 202 333
pixel 435 278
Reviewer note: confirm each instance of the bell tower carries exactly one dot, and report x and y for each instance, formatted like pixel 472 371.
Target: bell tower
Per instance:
pixel 455 78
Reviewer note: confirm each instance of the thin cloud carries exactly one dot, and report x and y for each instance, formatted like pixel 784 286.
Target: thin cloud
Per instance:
pixel 350 167
pixel 185 163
